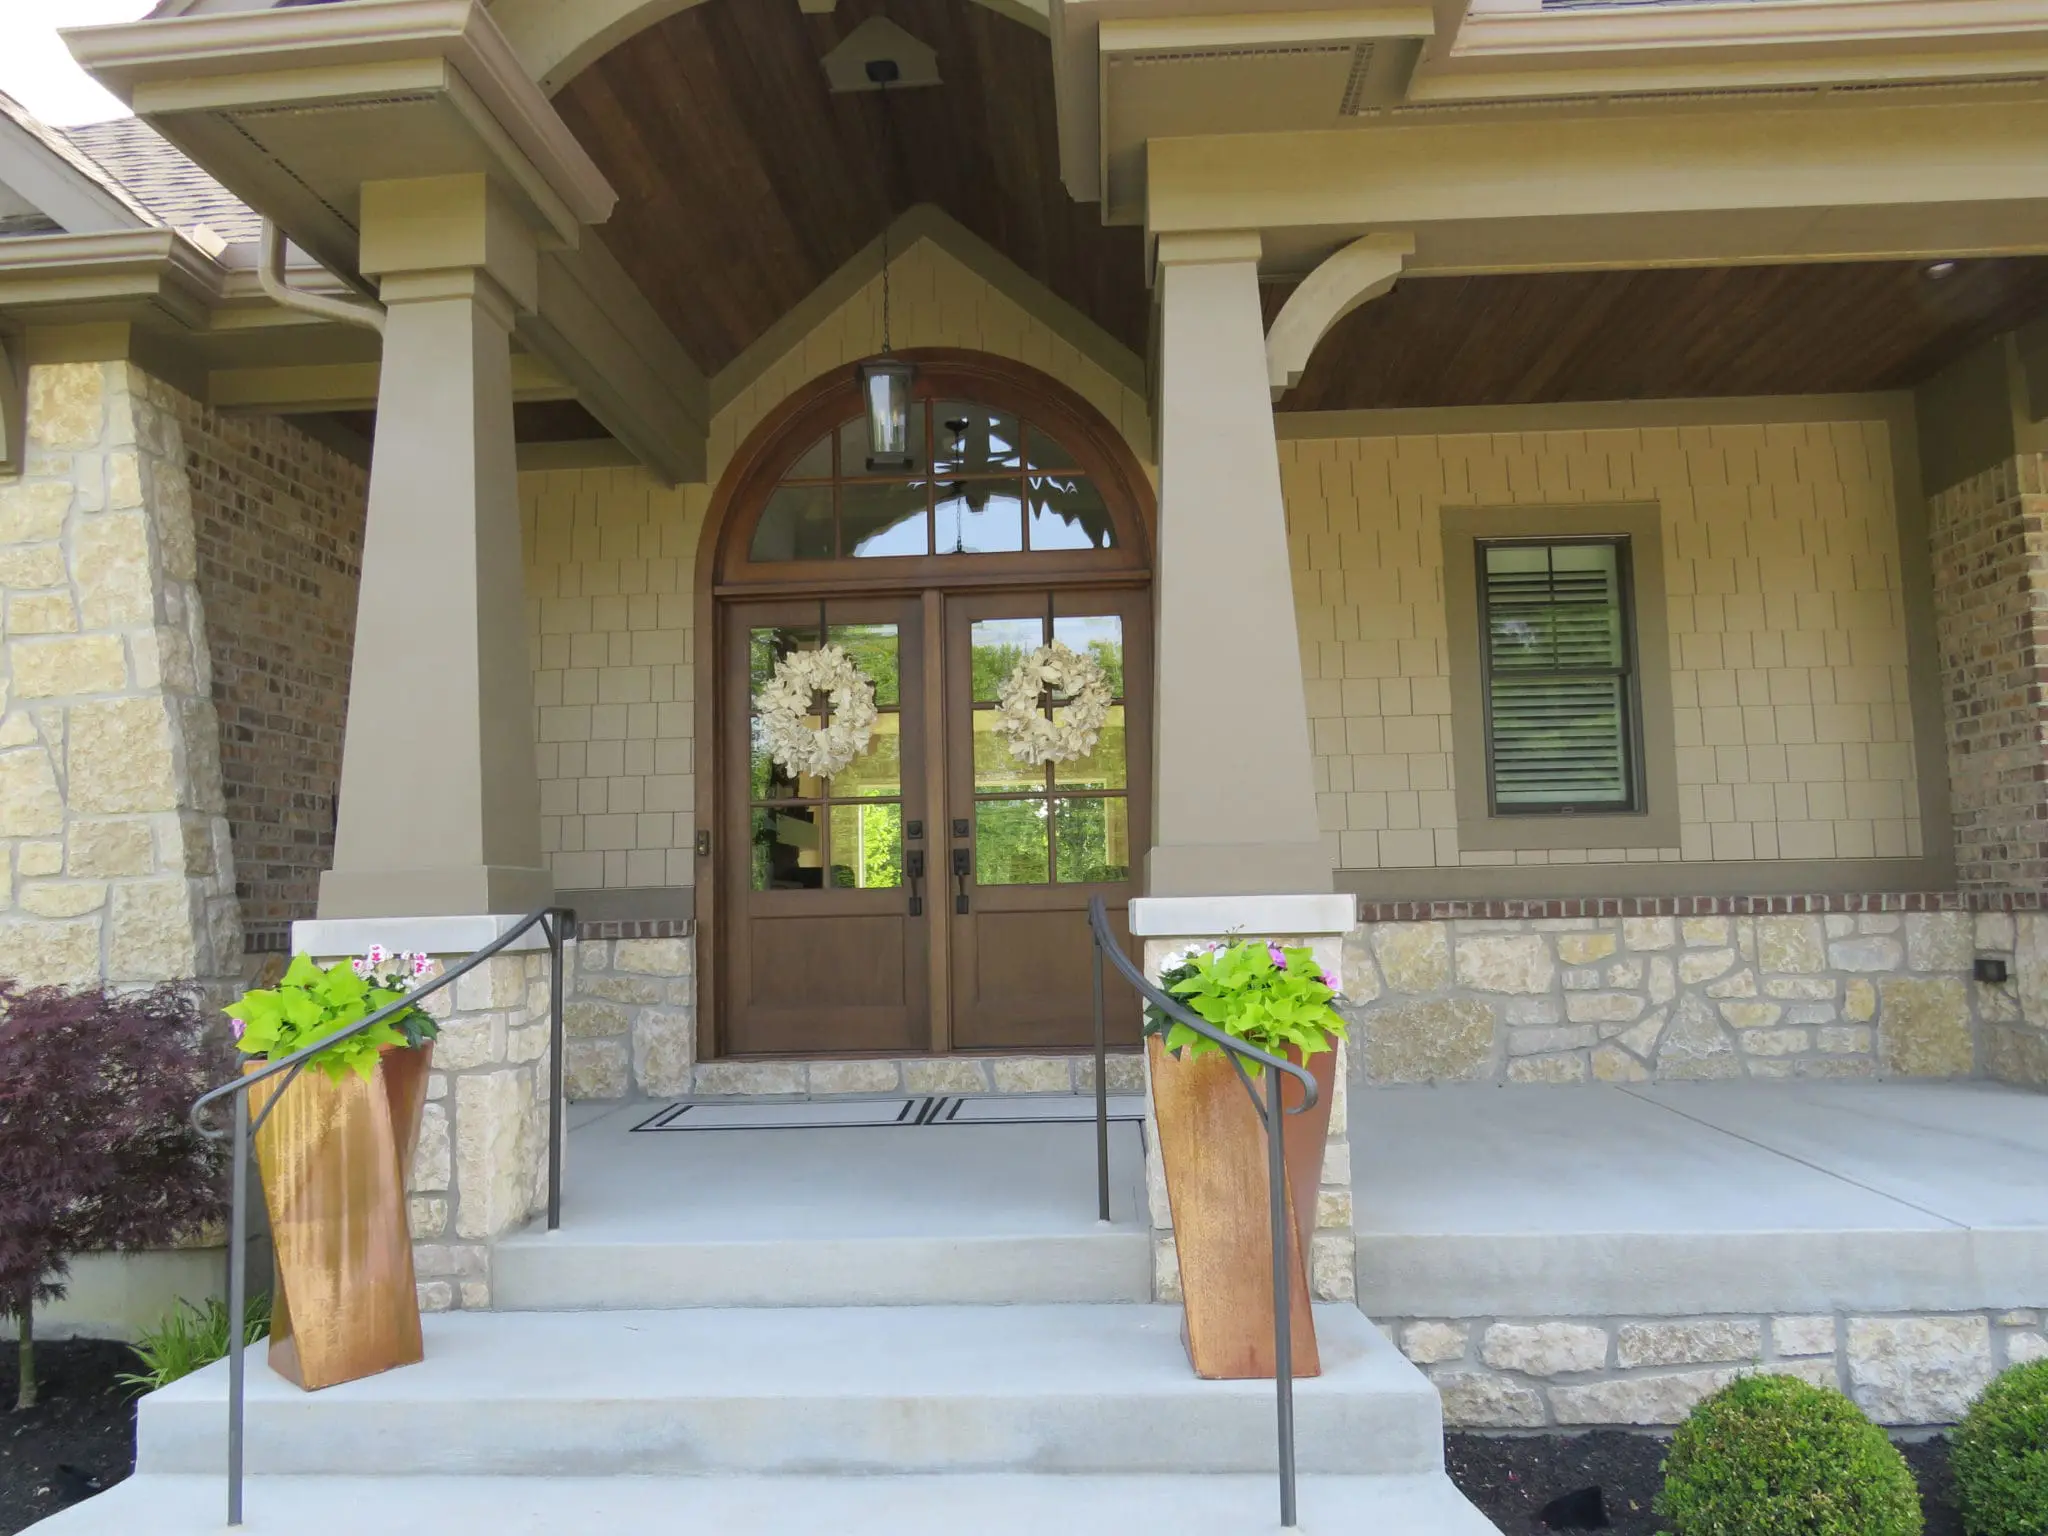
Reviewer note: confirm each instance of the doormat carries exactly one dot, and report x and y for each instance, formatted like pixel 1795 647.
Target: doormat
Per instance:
pixel 922 1110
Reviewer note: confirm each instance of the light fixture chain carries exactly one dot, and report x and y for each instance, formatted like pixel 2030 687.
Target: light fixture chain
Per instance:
pixel 888 215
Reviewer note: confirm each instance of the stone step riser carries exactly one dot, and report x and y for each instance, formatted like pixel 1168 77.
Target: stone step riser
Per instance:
pixel 566 1275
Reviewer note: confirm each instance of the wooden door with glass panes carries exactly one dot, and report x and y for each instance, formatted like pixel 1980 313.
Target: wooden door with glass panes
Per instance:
pixel 846 926
pixel 1027 845
pixel 824 950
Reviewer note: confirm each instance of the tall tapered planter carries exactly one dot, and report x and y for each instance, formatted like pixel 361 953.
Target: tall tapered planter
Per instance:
pixel 1217 1181
pixel 334 1155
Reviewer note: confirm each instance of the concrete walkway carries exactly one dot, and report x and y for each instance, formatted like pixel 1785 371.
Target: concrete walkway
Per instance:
pixel 1699 1198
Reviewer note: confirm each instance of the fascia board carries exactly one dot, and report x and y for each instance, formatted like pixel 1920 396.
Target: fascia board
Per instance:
pixel 156 265
pixel 1748 23
pixel 63 191
pixel 1730 72
pixel 1290 29
pixel 308 40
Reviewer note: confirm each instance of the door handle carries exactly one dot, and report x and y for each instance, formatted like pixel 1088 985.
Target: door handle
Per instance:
pixel 913 866
pixel 962 867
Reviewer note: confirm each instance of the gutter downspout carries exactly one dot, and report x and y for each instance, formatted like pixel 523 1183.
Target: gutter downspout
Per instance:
pixel 270 274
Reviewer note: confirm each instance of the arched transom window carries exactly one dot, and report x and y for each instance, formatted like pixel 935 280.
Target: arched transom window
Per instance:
pixel 981 481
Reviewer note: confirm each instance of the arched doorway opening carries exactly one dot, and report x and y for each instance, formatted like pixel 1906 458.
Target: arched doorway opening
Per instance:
pixel 931 895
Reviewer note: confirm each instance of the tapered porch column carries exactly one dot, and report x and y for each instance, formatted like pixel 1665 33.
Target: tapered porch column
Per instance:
pixel 1233 787
pixel 440 809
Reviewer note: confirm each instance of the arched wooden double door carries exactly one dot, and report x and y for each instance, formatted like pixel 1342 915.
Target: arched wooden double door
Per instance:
pixel 932 894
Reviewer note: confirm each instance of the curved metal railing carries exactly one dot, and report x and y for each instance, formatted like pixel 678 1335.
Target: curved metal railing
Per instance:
pixel 554 923
pixel 1270 1113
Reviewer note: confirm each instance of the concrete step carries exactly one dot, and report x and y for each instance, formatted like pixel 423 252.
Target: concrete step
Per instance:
pixel 1423 1504
pixel 962 1214
pixel 875 1390
pixel 574 1271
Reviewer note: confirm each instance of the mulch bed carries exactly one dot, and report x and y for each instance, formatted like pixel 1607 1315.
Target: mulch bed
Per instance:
pixel 1512 1478
pixel 78 1439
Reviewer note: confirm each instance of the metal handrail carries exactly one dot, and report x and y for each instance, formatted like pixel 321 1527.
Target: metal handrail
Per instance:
pixel 554 922
pixel 1270 1115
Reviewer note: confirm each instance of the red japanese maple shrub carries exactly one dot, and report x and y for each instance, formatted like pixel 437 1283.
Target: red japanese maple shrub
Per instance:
pixel 96 1151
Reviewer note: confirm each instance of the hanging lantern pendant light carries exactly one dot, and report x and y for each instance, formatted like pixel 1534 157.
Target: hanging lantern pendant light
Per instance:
pixel 885 381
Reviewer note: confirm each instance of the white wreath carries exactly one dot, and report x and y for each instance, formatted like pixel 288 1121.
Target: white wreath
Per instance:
pixel 1077 681
pixel 808 751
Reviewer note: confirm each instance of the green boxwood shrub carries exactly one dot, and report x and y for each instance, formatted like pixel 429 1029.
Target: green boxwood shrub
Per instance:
pixel 2000 1456
pixel 1774 1456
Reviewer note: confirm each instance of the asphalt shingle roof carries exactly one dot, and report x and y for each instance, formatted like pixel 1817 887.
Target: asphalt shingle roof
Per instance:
pixel 158 176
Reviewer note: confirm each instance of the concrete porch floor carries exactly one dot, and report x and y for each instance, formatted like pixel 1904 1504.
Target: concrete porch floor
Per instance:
pixel 824 1216
pixel 1699 1198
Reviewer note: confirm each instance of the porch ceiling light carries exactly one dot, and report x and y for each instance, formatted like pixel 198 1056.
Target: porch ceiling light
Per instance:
pixel 885 381
pixel 885 390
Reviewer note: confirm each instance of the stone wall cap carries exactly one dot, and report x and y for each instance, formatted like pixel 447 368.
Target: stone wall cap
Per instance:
pixel 448 935
pixel 1192 916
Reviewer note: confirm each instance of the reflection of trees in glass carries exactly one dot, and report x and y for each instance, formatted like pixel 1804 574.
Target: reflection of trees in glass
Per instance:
pixel 1094 841
pixel 993 665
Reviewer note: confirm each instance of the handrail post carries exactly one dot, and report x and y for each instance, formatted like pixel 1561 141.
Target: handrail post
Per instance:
pixel 1101 1092
pixel 554 925
pixel 1283 1297
pixel 238 1302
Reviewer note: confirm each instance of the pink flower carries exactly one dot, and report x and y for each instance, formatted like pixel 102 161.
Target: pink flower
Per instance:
pixel 235 1028
pixel 422 963
pixel 1278 954
pixel 378 954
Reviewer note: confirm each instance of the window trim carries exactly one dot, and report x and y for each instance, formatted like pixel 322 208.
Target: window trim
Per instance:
pixel 1630 672
pixel 1480 828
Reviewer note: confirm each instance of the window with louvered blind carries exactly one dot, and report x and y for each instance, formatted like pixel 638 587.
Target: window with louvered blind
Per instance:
pixel 1558 671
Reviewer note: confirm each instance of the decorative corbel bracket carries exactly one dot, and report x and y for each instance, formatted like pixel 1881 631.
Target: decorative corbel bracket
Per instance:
pixel 1359 273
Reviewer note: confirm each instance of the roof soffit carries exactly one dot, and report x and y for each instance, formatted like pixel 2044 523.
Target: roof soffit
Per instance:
pixel 293 110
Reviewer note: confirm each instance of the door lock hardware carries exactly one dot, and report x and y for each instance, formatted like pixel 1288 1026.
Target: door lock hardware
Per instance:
pixel 703 845
pixel 961 827
pixel 913 866
pixel 962 866
pixel 912 831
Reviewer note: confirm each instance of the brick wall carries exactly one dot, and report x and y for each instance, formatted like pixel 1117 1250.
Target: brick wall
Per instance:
pixel 279 522
pixel 1787 631
pixel 1989 538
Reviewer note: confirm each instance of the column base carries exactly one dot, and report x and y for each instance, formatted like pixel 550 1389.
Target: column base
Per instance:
pixel 459 891
pixel 1202 869
pixel 1255 916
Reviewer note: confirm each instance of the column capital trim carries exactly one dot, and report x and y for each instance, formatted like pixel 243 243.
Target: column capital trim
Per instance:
pixel 1166 917
pixel 1206 247
pixel 471 283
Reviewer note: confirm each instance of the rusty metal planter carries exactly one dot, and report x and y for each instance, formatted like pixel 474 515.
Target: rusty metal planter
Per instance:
pixel 334 1155
pixel 1214 1150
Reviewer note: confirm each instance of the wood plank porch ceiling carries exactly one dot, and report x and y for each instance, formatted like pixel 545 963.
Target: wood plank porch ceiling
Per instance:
pixel 1783 330
pixel 745 183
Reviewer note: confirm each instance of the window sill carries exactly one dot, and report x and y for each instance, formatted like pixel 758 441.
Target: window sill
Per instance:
pixel 1508 834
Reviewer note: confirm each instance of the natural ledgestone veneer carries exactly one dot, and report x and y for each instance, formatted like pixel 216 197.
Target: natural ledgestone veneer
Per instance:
pixel 481 1169
pixel 115 859
pixel 1534 1373
pixel 1623 999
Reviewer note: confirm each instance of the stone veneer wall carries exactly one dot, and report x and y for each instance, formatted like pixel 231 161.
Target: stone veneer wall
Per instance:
pixel 1722 992
pixel 481 1169
pixel 279 523
pixel 115 857
pixel 1533 1373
